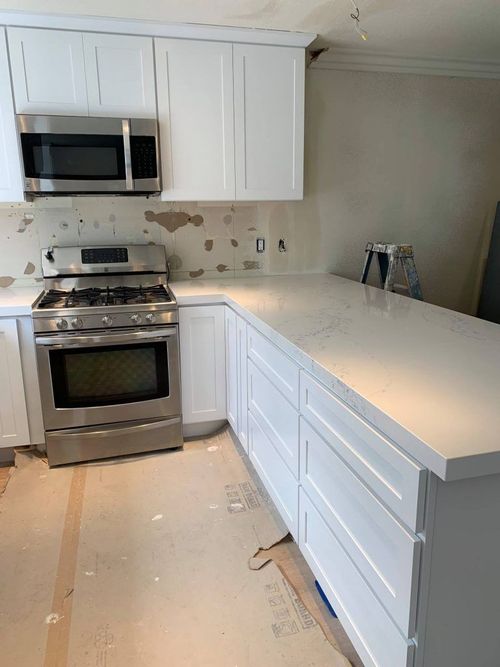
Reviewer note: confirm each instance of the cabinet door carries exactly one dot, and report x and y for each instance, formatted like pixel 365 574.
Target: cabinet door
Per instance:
pixel 11 181
pixel 14 429
pixel 241 334
pixel 232 368
pixel 203 363
pixel 269 121
pixel 195 112
pixel 120 75
pixel 48 71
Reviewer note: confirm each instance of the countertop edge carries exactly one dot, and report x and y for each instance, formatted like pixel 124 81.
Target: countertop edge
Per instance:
pixel 447 469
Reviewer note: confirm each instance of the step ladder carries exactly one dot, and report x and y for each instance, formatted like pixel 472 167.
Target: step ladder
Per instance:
pixel 390 256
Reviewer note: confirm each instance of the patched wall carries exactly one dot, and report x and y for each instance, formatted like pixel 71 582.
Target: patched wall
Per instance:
pixel 389 157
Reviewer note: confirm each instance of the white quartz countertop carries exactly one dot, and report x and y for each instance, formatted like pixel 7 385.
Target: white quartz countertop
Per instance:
pixel 18 300
pixel 427 377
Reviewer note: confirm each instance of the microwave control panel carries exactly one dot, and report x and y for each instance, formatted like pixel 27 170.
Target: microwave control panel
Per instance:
pixel 143 151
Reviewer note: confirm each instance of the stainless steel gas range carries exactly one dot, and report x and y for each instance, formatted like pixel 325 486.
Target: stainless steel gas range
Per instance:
pixel 106 334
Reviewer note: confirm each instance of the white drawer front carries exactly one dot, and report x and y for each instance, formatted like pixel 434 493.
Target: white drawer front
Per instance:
pixel 396 478
pixel 375 637
pixel 277 418
pixel 277 479
pixel 386 553
pixel 275 365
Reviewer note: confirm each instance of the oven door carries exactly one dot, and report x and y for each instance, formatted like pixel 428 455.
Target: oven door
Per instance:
pixel 107 377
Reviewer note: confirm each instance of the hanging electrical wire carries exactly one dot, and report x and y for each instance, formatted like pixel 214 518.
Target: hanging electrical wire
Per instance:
pixel 355 17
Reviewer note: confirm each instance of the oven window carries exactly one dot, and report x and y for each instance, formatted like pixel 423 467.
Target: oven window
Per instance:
pixel 91 377
pixel 73 156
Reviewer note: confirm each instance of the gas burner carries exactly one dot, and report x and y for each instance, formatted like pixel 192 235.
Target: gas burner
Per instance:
pixel 107 296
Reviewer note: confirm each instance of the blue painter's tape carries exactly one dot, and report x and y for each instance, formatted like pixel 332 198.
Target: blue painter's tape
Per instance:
pixel 325 599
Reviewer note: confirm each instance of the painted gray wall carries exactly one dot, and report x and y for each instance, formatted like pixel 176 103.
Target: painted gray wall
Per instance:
pixel 401 158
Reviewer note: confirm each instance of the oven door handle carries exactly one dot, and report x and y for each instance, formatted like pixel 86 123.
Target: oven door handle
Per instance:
pixel 105 431
pixel 59 342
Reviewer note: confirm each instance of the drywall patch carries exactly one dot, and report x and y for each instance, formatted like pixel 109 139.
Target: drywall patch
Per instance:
pixel 227 219
pixel 173 220
pixel 252 229
pixel 175 262
pixel 234 243
pixel 6 281
pixel 222 267
pixel 209 244
pixel 24 223
pixel 30 268
pixel 250 265
pixel 196 274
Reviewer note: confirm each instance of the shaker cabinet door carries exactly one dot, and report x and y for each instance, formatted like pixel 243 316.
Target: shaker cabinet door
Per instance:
pixel 120 75
pixel 48 71
pixel 11 181
pixel 195 112
pixel 269 121
pixel 203 363
pixel 14 429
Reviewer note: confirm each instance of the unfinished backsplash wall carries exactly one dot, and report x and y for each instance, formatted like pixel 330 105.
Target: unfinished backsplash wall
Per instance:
pixel 394 157
pixel 200 241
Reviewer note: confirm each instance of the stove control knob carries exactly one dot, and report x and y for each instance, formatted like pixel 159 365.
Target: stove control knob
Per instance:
pixel 150 318
pixel 77 323
pixel 136 318
pixel 61 324
pixel 107 320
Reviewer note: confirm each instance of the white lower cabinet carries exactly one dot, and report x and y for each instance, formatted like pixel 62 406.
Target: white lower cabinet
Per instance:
pixel 386 553
pixel 241 332
pixel 374 635
pixel 232 368
pixel 14 427
pixel 203 363
pixel 276 477
pixel 277 418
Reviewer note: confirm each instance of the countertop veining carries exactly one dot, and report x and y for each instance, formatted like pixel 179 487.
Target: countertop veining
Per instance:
pixel 427 377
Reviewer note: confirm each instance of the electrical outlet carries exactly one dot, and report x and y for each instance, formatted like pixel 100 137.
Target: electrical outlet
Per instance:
pixel 260 244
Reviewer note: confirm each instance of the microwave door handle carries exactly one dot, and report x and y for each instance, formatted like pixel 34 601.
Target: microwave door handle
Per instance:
pixel 127 153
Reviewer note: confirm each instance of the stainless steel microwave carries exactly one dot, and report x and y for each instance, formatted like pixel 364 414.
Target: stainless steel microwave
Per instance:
pixel 72 155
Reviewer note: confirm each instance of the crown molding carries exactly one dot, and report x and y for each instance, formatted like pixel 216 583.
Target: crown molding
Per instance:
pixel 372 61
pixel 156 29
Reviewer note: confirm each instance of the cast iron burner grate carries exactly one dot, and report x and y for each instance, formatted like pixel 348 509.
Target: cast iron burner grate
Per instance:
pixel 108 296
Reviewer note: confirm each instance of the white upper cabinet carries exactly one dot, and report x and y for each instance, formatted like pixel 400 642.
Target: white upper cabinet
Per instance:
pixel 120 75
pixel 269 121
pixel 11 184
pixel 195 113
pixel 48 71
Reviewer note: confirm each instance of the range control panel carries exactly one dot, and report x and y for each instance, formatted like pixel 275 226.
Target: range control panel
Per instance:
pixel 104 255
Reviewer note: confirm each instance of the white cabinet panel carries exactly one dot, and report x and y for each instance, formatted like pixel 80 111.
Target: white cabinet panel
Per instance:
pixel 277 418
pixel 120 75
pixel 375 637
pixel 386 554
pixel 269 121
pixel 14 429
pixel 48 71
pixel 203 374
pixel 396 478
pixel 241 328
pixel 232 368
pixel 196 117
pixel 11 181
pixel 278 480
pixel 275 365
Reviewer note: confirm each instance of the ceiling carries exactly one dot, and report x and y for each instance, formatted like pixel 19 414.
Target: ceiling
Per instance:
pixel 463 29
